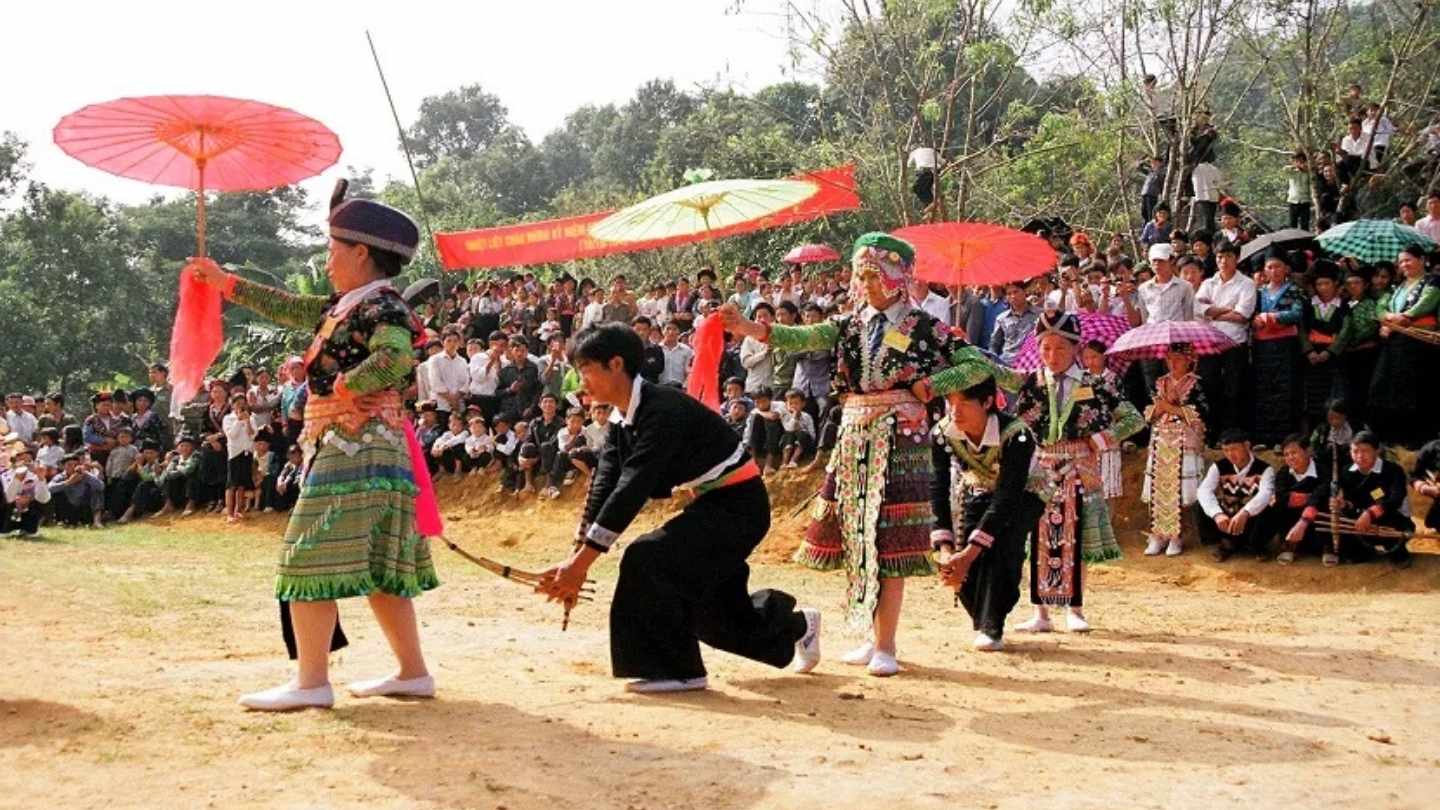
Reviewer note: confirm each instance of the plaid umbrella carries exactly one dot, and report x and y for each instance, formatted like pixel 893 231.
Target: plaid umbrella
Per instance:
pixel 1372 240
pixel 1093 326
pixel 1152 340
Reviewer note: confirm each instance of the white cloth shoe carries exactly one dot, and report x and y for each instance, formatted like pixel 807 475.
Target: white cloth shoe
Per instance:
pixel 1154 547
pixel 1035 625
pixel 288 698
pixel 1176 548
pixel 984 643
pixel 1075 623
pixel 882 665
pixel 860 656
pixel 659 686
pixel 807 649
pixel 422 687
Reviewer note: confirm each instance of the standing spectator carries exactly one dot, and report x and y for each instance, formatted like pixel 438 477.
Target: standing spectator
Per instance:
pixel 519 384
pixel 240 430
pixel 1230 229
pixel 449 374
pixel 119 463
pixel 294 394
pixel 1014 325
pixel 100 426
pixel 1297 190
pixel 1207 180
pixel 1402 392
pixel 678 357
pixel 552 367
pixel 22 422
pixel 1430 223
pixel 54 415
pixel 1358 344
pixel 1227 302
pixel 813 369
pixel 594 311
pixel 755 354
pixel 1151 188
pixel 1377 129
pixel 1165 297
pixel 485 370
pixel 1354 149
pixel 1279 391
pixel 1323 321
pixel 149 424
pixel 1156 230
pixel 923 296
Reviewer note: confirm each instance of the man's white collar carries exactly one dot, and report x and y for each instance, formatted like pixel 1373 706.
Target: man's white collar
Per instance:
pixel 1379 463
pixel 628 418
pixel 892 313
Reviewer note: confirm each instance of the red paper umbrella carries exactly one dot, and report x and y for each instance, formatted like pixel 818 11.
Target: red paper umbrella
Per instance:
pixel 811 254
pixel 975 253
pixel 198 142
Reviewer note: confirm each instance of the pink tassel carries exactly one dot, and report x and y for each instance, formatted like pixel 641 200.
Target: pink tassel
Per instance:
pixel 709 345
pixel 195 340
pixel 427 509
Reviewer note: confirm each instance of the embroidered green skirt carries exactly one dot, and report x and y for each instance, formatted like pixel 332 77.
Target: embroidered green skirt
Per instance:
pixel 353 529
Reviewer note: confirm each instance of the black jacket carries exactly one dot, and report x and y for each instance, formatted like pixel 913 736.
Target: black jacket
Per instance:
pixel 674 440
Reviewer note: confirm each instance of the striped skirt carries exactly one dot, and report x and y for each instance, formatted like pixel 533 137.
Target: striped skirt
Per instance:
pixel 353 529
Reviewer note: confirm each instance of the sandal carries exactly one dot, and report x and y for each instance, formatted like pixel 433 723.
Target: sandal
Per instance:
pixel 1285 557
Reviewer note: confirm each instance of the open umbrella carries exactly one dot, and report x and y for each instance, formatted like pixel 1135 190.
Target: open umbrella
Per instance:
pixel 1285 238
pixel 1152 340
pixel 422 291
pixel 702 208
pixel 811 254
pixel 1372 240
pixel 200 143
pixel 974 253
pixel 1100 326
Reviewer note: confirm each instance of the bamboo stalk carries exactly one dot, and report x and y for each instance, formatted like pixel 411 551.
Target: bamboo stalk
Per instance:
pixel 1424 335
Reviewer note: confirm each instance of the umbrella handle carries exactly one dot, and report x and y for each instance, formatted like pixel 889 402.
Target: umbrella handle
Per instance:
pixel 200 201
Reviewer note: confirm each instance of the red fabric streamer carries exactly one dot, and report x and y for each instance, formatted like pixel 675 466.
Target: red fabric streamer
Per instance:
pixel 427 509
pixel 709 345
pixel 195 340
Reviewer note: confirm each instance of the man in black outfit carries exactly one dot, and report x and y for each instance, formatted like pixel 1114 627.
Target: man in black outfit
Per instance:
pixel 685 582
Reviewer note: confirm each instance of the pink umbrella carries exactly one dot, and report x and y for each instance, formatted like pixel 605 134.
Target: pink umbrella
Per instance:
pixel 1093 326
pixel 1152 340
pixel 811 254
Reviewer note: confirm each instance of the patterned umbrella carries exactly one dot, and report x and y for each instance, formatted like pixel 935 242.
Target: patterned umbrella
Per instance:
pixel 811 254
pixel 1372 240
pixel 1152 340
pixel 1093 326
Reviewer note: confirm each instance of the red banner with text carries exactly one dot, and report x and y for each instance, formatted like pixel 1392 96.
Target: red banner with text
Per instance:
pixel 567 239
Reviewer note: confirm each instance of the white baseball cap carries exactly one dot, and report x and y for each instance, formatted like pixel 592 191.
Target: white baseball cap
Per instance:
pixel 1161 250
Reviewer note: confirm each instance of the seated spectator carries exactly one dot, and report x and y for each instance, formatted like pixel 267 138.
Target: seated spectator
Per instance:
pixel 180 478
pixel 1234 499
pixel 762 432
pixel 573 453
pixel 1295 484
pixel 148 498
pixel 78 492
pixel 448 450
pixel 1426 481
pixel 289 480
pixel 119 464
pixel 1372 493
pixel 735 392
pixel 829 434
pixel 797 431
pixel 49 456
pixel 479 446
pixel 507 452
pixel 543 430
pixel 1331 439
pixel 428 431
pixel 25 493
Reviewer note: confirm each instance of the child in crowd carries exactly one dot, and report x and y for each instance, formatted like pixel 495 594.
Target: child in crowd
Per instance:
pixel 527 460
pixel 598 431
pixel 262 497
pixel 148 498
pixel 507 453
pixel 1092 357
pixel 449 449
pixel 797 431
pixel 736 416
pixel 735 392
pixel 118 465
pixel 289 480
pixel 573 454
pixel 1331 440
pixel 50 455
pixel 479 446
pixel 428 432
pixel 239 427
pixel 762 432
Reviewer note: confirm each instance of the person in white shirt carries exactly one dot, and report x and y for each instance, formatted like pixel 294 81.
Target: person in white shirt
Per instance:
pixel 23 489
pixel 678 357
pixel 1165 297
pixel 485 367
pixel 449 374
pixel 1226 301
pixel 1234 499
pixel 1207 181
pixel 22 422
pixel 1430 223
pixel 922 297
pixel 450 447
pixel 797 431
pixel 594 311
pixel 240 428
pixel 1377 128
pixel 1354 147
pixel 755 355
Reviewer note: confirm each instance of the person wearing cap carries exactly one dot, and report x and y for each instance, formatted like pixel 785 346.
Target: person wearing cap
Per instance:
pixel 353 530
pixel 25 493
pixel 1076 416
pixel 873 515
pixel 1279 313
pixel 1166 297
pixel 984 513
pixel 1323 320
pixel 1226 301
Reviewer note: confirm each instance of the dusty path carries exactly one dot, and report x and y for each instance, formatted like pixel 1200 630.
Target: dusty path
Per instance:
pixel 1238 686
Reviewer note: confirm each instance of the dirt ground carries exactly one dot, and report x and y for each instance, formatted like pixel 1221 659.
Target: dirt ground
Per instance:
pixel 1243 685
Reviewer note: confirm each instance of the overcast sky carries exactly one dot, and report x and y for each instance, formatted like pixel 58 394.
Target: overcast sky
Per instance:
pixel 543 58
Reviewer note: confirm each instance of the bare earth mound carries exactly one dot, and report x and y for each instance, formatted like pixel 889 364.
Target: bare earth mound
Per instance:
pixel 1242 685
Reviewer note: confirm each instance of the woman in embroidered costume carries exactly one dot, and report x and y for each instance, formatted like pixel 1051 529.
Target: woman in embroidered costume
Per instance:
pixel 982 464
pixel 1076 416
pixel 1402 392
pixel 353 531
pixel 1324 320
pixel 880 469
pixel 1176 462
pixel 1279 310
